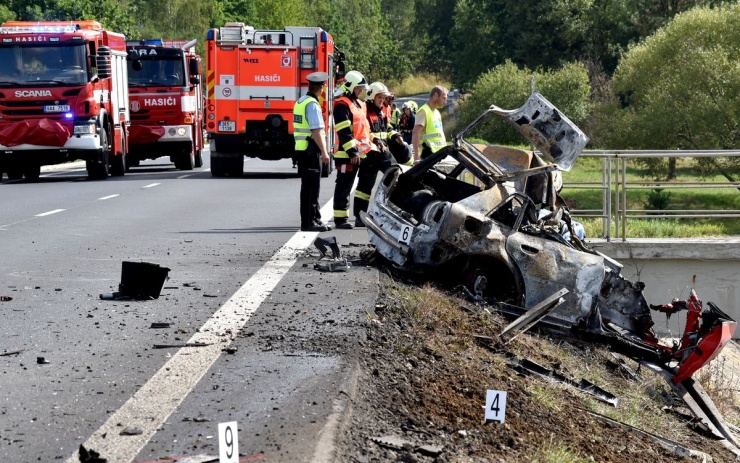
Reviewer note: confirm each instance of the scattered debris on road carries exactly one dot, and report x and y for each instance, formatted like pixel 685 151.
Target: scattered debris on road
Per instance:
pixel 90 456
pixel 9 353
pixel 528 367
pixel 139 281
pixel 158 325
pixel 179 345
pixel 335 263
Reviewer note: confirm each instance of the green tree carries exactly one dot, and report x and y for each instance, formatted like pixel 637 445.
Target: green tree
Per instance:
pixel 434 19
pixel 176 19
pixel 6 14
pixel 362 32
pixel 475 40
pixel 680 88
pixel 116 15
pixel 264 14
pixel 508 86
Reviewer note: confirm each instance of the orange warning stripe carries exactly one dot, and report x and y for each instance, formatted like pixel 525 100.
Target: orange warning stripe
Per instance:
pixel 210 83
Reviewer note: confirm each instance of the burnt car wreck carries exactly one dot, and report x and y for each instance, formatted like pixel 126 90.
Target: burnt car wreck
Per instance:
pixel 493 217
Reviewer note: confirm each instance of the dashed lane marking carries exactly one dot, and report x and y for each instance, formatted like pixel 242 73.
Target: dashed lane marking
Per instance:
pixel 151 185
pixel 150 406
pixel 107 197
pixel 44 214
pixel 185 176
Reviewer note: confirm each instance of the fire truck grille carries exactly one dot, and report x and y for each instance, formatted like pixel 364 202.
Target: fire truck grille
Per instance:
pixel 140 116
pixel 30 108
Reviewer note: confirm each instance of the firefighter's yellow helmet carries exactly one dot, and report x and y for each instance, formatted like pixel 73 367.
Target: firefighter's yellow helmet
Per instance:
pixel 376 88
pixel 352 80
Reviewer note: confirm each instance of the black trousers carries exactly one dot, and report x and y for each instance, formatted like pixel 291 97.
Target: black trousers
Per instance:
pixel 376 161
pixel 346 174
pixel 309 168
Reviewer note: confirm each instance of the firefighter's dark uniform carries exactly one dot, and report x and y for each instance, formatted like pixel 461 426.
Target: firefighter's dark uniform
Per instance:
pixel 378 159
pixel 308 155
pixel 353 138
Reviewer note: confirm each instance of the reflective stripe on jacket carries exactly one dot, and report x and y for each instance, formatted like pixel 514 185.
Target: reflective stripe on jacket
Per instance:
pixel 378 123
pixel 360 129
pixel 433 135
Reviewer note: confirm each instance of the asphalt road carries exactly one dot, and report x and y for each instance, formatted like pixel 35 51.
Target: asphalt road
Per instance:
pixel 271 339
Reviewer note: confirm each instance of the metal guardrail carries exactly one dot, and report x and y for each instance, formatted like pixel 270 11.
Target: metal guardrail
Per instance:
pixel 614 187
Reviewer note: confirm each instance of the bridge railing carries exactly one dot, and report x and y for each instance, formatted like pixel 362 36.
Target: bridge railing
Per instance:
pixel 614 186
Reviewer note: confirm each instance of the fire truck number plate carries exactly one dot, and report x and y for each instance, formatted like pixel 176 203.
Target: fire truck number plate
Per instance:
pixel 227 126
pixel 56 108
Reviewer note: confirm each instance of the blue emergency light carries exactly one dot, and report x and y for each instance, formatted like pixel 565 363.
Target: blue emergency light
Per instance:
pixel 154 42
pixel 68 115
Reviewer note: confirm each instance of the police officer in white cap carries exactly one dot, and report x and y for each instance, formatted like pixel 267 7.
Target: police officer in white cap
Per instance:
pixel 309 132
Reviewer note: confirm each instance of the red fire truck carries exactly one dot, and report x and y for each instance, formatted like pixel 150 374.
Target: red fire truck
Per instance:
pixel 253 79
pixel 166 102
pixel 63 96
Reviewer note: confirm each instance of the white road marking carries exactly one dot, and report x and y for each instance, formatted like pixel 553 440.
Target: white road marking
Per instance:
pixel 185 176
pixel 151 185
pixel 59 173
pixel 150 406
pixel 107 197
pixel 43 214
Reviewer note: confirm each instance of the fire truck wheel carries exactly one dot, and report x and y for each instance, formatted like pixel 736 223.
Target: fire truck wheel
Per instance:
pixel 236 167
pixel 118 163
pixel 199 158
pixel 14 171
pixel 218 167
pixel 31 171
pixel 95 170
pixel 185 161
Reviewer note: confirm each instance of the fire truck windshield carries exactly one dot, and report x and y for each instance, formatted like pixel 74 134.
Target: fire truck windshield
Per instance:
pixel 29 65
pixel 157 71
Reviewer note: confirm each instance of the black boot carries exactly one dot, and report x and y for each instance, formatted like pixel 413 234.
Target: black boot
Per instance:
pixel 343 224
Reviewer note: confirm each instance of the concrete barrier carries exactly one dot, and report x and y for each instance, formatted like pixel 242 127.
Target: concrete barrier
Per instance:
pixel 671 267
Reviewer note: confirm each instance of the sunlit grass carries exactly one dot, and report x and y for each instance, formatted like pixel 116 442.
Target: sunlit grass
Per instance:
pixel 556 452
pixel 416 84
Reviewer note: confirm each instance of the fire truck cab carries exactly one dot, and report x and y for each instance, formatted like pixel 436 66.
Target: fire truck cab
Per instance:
pixel 166 102
pixel 253 79
pixel 63 96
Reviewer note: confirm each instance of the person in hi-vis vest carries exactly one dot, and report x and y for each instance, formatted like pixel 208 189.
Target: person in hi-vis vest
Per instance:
pixel 309 133
pixel 428 136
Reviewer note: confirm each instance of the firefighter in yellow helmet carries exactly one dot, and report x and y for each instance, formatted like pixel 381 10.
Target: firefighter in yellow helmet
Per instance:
pixel 353 142
pixel 310 150
pixel 428 136
pixel 378 159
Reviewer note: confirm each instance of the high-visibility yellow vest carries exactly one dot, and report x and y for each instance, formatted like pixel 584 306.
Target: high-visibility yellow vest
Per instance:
pixel 433 135
pixel 395 117
pixel 301 128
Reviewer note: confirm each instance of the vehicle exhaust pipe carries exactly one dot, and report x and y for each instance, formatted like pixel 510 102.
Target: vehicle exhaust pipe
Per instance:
pixel 189 45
